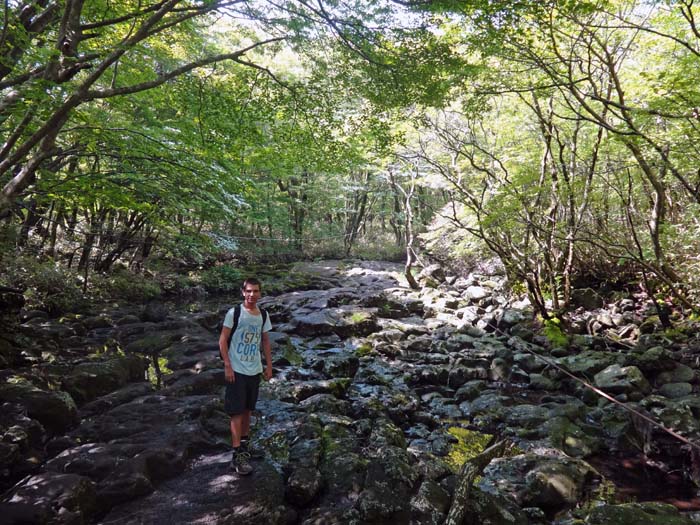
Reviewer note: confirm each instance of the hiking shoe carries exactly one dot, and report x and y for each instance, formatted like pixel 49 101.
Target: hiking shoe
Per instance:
pixel 240 463
pixel 254 451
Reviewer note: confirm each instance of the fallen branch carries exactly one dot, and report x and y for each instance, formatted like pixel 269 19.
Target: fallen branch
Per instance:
pixel 470 470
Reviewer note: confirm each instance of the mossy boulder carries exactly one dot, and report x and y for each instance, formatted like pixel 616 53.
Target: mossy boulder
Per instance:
pixel 54 409
pixel 637 514
pixel 151 344
pixel 87 381
pixel 588 362
pixel 617 379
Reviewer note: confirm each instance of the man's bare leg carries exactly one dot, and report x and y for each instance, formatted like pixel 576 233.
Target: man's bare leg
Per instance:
pixel 240 427
pixel 236 429
pixel 245 424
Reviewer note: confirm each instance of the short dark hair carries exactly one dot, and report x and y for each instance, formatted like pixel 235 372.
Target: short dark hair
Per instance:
pixel 253 281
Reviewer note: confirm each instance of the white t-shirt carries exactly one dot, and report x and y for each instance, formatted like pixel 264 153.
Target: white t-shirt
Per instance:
pixel 244 351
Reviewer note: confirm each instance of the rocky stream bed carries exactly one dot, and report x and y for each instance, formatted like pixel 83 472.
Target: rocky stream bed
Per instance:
pixel 379 394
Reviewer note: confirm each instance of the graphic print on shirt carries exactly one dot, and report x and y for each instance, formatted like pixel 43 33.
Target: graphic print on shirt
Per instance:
pixel 245 349
pixel 248 349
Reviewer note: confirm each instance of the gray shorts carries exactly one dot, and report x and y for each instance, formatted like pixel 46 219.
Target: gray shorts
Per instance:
pixel 242 394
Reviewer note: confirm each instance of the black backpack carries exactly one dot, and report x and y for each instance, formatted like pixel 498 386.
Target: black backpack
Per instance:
pixel 236 316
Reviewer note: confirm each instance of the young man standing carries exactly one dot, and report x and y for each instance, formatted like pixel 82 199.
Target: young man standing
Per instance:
pixel 243 366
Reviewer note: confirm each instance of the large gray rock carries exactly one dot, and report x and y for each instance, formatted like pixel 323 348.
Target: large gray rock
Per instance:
pixel 208 492
pixel 588 362
pixel 676 390
pixel 89 380
pixel 476 293
pixel 54 409
pixel 305 389
pixel 552 483
pixel 388 487
pixel 679 374
pixel 21 444
pixel 341 364
pixel 57 498
pixel 654 360
pixel 430 504
pixel 617 379
pixel 493 509
pixel 344 321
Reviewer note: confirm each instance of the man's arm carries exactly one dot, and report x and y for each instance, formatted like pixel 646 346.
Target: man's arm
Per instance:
pixel 223 350
pixel 268 356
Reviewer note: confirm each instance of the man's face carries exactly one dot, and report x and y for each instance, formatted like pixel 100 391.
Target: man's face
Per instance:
pixel 251 294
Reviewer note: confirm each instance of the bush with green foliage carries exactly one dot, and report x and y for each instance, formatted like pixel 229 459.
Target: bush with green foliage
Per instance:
pixel 554 332
pixel 126 286
pixel 47 286
pixel 221 279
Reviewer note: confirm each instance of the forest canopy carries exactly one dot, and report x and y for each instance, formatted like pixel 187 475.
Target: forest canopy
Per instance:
pixel 561 137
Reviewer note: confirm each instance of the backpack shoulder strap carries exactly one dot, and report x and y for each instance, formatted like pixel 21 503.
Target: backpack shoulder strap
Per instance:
pixel 264 316
pixel 236 317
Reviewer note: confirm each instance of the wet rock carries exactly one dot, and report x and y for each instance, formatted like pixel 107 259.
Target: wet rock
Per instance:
pixel 637 514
